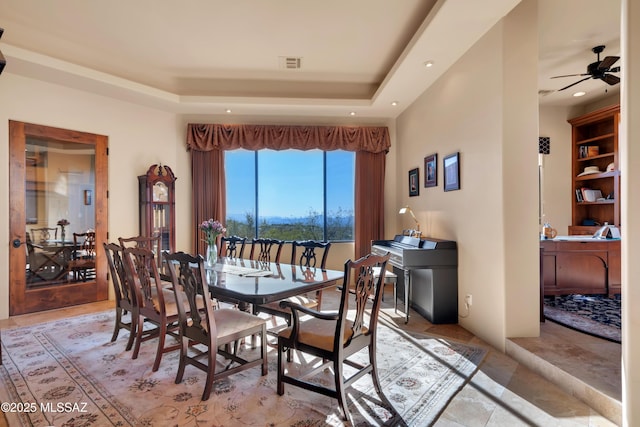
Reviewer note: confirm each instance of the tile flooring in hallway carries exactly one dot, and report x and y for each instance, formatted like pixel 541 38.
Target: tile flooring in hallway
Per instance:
pixel 503 392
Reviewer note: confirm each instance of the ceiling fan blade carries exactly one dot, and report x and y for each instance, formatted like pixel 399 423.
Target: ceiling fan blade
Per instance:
pixel 607 62
pixel 573 84
pixel 571 75
pixel 611 79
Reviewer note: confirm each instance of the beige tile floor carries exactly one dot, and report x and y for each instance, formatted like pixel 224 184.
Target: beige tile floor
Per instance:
pixel 506 390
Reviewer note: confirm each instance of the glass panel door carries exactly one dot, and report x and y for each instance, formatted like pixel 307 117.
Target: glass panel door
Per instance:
pixel 59 186
pixel 58 222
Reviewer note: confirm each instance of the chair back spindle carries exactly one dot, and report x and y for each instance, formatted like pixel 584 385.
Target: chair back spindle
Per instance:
pixel 309 253
pixel 187 273
pixel 232 246
pixel 262 250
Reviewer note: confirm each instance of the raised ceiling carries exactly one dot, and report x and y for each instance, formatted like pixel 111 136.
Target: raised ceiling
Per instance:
pixel 207 56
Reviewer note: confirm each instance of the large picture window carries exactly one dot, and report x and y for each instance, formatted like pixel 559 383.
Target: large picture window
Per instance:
pixel 290 194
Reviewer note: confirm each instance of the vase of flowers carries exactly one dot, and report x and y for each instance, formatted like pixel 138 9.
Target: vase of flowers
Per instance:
pixel 211 229
pixel 62 223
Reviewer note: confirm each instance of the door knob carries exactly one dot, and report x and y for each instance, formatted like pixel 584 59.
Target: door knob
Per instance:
pixel 16 243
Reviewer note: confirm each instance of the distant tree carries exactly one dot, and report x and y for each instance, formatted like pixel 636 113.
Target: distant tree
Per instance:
pixel 310 227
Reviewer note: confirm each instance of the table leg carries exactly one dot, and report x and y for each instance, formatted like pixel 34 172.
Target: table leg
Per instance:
pixel 407 294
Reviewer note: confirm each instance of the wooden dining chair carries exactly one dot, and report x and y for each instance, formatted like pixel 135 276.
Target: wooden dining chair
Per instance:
pixel 216 329
pixel 83 259
pixel 232 246
pixel 334 338
pixel 43 234
pixel 41 266
pixel 124 294
pixel 306 254
pixel 154 304
pixel 148 242
pixel 266 250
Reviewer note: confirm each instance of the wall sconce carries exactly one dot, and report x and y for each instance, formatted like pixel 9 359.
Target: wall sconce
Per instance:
pixel 408 209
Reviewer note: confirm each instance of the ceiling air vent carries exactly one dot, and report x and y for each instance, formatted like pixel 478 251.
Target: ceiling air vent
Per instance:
pixel 290 62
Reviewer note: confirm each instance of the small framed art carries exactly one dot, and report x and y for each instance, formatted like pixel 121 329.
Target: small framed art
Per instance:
pixel 451 167
pixel 414 182
pixel 431 171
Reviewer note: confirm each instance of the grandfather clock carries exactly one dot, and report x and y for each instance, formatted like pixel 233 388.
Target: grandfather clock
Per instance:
pixel 157 205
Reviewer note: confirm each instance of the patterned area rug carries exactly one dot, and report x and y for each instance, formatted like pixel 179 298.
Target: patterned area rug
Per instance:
pixel 68 373
pixel 595 315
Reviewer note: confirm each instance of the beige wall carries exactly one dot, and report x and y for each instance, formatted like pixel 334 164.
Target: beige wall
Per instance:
pixel 482 109
pixel 556 168
pixel 630 211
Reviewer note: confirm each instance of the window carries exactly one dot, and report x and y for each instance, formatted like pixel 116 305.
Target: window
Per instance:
pixel 290 194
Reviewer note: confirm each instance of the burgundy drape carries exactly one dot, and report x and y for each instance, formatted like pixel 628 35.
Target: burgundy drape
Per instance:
pixel 208 141
pixel 369 203
pixel 209 192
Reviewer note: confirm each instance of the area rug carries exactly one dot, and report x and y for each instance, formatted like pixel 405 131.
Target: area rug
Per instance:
pixel 595 315
pixel 68 373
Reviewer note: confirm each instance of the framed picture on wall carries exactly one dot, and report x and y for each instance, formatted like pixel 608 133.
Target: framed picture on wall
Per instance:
pixel 431 171
pixel 451 168
pixel 414 182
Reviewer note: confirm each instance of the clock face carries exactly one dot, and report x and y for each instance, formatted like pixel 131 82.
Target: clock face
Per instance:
pixel 160 192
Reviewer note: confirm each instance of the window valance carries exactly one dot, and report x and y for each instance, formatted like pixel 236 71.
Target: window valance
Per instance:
pixel 207 137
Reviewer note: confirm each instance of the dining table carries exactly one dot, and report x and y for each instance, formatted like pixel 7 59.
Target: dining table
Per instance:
pixel 255 282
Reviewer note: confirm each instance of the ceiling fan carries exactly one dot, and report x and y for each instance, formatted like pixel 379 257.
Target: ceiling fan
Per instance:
pixel 598 70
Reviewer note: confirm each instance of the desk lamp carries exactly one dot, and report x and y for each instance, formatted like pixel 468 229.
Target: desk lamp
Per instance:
pixel 408 209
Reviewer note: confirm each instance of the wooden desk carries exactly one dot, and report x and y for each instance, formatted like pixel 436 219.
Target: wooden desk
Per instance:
pixel 285 281
pixel 581 266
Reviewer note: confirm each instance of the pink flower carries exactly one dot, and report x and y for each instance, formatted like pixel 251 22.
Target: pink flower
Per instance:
pixel 211 229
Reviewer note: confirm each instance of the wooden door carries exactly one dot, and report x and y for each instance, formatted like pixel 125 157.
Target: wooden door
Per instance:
pixel 58 186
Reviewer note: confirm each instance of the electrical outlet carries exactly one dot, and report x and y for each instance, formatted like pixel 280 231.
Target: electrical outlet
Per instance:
pixel 468 300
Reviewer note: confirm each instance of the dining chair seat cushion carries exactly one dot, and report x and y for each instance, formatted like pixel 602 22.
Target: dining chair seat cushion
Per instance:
pixel 298 299
pixel 170 307
pixel 230 321
pixel 320 333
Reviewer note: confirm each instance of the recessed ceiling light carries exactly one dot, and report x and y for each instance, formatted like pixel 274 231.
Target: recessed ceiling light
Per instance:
pixel 394 103
pixel 228 110
pixel 353 113
pixel 428 64
pixel 579 94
